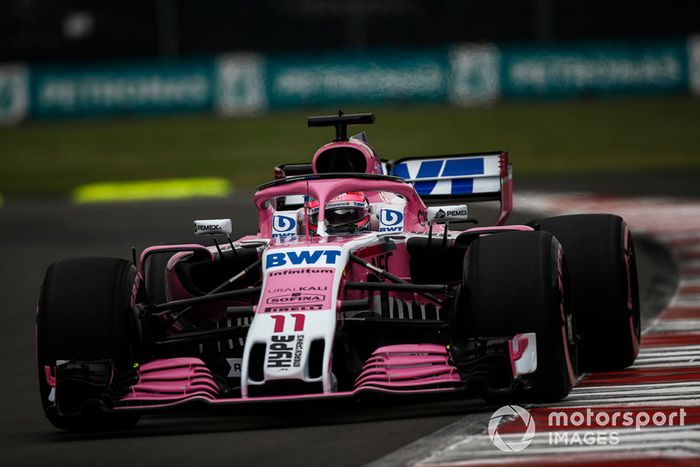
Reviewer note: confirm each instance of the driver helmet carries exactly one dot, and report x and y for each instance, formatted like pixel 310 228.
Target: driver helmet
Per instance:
pixel 346 213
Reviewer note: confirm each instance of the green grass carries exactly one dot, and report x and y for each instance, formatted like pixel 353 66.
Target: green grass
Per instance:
pixel 543 138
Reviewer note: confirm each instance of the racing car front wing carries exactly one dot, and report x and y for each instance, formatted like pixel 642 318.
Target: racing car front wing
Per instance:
pixel 395 369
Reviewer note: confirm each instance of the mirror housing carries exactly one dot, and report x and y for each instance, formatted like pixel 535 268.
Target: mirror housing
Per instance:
pixel 213 227
pixel 448 213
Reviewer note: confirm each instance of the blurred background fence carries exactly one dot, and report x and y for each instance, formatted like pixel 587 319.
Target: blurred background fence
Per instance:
pixel 240 83
pixel 76 58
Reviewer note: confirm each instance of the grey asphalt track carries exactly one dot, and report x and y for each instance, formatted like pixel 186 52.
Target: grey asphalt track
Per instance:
pixel 35 233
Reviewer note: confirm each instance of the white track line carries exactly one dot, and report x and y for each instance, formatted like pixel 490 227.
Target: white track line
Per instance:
pixel 685 300
pixel 658 351
pixel 608 388
pixel 646 360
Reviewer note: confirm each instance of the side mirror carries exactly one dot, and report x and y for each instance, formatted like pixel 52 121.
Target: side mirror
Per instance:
pixel 451 213
pixel 213 227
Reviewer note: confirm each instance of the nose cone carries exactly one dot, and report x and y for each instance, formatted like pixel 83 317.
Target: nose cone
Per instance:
pixel 291 336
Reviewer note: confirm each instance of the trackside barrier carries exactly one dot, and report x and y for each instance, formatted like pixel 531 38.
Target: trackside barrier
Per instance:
pixel 244 83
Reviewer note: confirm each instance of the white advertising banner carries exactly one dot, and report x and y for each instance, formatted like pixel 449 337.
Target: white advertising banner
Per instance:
pixel 240 84
pixel 475 74
pixel 14 93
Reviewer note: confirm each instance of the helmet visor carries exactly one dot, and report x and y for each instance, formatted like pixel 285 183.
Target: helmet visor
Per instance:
pixel 345 215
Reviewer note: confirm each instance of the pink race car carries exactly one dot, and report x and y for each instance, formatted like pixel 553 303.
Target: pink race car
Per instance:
pixel 365 277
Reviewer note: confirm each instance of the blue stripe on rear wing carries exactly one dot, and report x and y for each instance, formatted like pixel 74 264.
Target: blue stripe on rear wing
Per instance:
pixel 467 177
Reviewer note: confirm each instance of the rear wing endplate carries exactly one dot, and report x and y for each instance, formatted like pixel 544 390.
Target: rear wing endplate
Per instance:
pixel 460 178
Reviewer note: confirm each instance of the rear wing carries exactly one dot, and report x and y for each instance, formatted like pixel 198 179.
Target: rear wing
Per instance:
pixel 455 178
pixel 460 178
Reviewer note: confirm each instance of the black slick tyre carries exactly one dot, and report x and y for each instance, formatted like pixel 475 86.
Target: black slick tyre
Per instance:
pixel 514 283
pixel 84 314
pixel 603 272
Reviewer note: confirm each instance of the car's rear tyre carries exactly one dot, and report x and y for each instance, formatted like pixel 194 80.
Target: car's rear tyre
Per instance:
pixel 514 283
pixel 84 314
pixel 603 272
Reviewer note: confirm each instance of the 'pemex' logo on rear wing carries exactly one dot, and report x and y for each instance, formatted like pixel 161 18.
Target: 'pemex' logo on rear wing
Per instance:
pixel 465 177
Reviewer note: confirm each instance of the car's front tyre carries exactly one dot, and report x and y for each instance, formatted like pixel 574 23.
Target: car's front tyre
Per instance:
pixel 515 283
pixel 84 315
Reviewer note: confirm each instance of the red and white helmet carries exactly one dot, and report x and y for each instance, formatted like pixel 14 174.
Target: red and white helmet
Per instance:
pixel 346 213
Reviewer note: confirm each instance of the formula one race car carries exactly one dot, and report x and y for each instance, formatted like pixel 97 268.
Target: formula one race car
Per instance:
pixel 365 277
